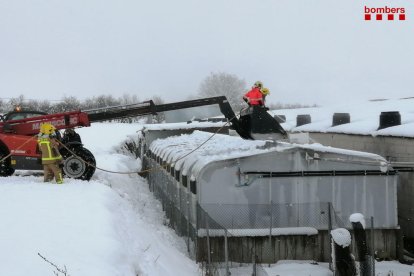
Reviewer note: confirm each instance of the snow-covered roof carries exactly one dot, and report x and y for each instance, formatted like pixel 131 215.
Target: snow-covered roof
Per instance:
pixel 179 149
pixel 194 151
pixel 365 117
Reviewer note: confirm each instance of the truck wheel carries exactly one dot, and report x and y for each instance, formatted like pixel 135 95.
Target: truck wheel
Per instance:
pixel 5 166
pixel 81 166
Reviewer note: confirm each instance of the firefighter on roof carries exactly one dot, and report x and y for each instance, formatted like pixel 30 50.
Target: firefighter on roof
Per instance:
pixel 254 97
pixel 51 158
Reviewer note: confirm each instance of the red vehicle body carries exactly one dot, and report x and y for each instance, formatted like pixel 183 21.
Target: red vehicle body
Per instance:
pixel 18 138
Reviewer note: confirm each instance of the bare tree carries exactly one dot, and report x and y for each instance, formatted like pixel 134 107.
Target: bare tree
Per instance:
pixel 58 270
pixel 66 104
pixel 2 106
pixel 129 99
pixel 224 84
pixel 100 101
pixel 14 102
pixel 44 106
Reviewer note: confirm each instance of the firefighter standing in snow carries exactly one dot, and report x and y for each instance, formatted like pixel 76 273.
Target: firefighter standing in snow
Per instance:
pixel 51 158
pixel 254 97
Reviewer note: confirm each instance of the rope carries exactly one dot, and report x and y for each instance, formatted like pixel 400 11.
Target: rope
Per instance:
pixel 93 165
pixel 148 170
pixel 202 144
pixel 27 141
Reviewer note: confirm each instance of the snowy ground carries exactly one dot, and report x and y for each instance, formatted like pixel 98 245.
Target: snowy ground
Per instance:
pixel 110 225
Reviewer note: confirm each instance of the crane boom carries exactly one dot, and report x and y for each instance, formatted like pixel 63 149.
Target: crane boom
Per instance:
pixel 258 120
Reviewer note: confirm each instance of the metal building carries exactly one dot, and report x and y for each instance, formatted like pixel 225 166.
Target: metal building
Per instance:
pixel 267 195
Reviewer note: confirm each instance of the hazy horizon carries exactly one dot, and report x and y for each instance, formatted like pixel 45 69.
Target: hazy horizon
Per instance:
pixel 307 52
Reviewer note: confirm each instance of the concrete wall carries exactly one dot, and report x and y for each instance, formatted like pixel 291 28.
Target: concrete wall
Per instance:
pixel 399 149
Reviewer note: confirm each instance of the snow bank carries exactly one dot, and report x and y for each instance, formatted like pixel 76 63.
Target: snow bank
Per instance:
pixel 72 225
pixel 111 225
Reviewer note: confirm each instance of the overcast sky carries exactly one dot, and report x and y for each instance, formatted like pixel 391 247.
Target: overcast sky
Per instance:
pixel 305 51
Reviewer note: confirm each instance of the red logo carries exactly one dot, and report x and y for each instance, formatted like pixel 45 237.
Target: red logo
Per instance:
pixel 384 13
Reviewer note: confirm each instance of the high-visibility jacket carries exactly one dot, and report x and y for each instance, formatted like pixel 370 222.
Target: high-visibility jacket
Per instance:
pixel 254 96
pixel 49 150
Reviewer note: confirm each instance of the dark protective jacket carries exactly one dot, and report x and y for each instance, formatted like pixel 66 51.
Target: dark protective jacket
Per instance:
pixel 71 137
pixel 49 149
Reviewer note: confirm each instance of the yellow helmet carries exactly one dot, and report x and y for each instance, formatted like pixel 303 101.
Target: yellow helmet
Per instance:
pixel 265 91
pixel 258 84
pixel 47 129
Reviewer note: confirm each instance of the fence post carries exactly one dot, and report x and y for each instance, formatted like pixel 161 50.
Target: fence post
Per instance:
pixel 226 253
pixel 188 223
pixel 329 232
pixel 372 247
pixel 270 227
pixel 341 252
pixel 208 243
pixel 361 241
pixel 254 259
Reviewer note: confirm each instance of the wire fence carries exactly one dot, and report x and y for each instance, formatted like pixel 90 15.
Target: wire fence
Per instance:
pixel 234 235
pixel 247 237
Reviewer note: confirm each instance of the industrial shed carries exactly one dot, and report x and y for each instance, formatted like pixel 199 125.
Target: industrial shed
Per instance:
pixel 382 126
pixel 279 198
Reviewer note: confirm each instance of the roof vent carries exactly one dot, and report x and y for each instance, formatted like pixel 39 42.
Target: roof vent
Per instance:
pixel 389 119
pixel 340 119
pixel 303 119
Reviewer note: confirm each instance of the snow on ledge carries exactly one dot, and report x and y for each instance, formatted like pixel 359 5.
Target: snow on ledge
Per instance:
pixel 259 232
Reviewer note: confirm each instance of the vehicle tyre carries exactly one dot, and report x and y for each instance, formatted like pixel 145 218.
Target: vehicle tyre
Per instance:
pixel 5 166
pixel 81 166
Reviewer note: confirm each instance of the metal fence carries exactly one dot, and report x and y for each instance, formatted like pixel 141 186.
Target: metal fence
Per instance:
pixel 259 234
pixel 224 237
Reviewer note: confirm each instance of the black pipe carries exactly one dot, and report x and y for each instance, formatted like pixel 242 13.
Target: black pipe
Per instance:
pixel 303 119
pixel 340 119
pixel 320 173
pixel 362 248
pixel 389 119
pixel 344 262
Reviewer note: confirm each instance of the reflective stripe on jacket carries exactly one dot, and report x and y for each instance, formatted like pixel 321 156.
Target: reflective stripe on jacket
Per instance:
pixel 50 153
